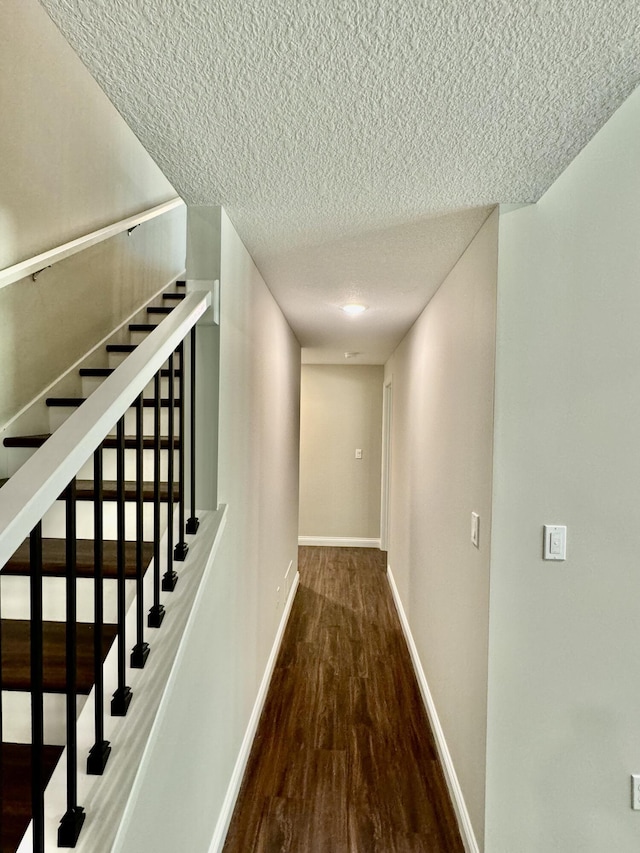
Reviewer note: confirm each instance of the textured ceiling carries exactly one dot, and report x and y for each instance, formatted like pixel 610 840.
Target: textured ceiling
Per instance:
pixel 338 134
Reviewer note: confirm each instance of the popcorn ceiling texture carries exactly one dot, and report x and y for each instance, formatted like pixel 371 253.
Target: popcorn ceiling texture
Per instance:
pixel 314 122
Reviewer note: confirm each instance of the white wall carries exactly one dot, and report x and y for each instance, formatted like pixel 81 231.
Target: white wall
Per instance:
pixel 564 730
pixel 205 720
pixel 340 410
pixel 68 165
pixel 258 460
pixel 442 377
pixel 203 264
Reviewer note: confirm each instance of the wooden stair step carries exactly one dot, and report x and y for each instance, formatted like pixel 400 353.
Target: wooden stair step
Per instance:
pixel 54 558
pixel 148 402
pixel 107 371
pixel 110 442
pixel 16 673
pixel 121 347
pixel 142 327
pixel 15 760
pixel 160 309
pixel 85 490
pixel 181 283
pixel 173 296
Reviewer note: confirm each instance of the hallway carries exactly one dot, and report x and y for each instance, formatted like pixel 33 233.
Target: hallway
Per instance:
pixel 343 758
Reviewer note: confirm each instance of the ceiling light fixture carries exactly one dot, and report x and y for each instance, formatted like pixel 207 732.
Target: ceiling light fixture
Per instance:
pixel 354 308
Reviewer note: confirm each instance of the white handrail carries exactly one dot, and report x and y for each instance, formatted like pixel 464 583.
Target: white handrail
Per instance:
pixel 9 275
pixel 33 489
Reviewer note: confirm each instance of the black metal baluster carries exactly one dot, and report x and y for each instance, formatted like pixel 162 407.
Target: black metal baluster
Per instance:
pixel 37 689
pixel 71 823
pixel 140 651
pixel 100 751
pixel 156 613
pixel 193 523
pixel 182 548
pixel 2 789
pixel 170 578
pixel 122 696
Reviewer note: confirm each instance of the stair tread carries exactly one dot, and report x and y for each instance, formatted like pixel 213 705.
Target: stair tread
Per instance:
pixel 160 309
pixel 107 371
pixel 54 558
pixel 121 347
pixel 86 490
pixel 148 402
pixel 174 296
pixel 109 443
pixel 142 327
pixel 16 789
pixel 16 673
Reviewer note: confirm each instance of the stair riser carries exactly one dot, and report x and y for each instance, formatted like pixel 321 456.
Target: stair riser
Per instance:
pixel 59 414
pixel 17 456
pixel 54 519
pixel 16 719
pixel 115 359
pixel 90 383
pixel 15 598
pixel 109 461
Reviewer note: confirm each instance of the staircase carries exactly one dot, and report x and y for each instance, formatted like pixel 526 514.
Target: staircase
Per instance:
pixel 66 589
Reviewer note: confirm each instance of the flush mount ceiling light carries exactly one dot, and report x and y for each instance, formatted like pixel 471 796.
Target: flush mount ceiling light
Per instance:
pixel 354 308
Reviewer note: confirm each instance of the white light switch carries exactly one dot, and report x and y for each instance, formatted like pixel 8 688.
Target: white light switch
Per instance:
pixel 475 529
pixel 358 453
pixel 555 542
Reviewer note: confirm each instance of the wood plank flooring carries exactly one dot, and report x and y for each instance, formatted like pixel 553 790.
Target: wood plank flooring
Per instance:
pixel 344 760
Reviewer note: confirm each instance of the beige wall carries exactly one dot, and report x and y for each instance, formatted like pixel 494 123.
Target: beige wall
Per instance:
pixel 68 164
pixel 564 733
pixel 240 606
pixel 442 377
pixel 341 410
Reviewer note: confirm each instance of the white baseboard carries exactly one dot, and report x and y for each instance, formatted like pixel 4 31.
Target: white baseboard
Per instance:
pixel 455 791
pixel 224 818
pixel 339 541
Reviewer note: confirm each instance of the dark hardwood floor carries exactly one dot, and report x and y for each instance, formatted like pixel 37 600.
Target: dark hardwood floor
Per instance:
pixel 343 759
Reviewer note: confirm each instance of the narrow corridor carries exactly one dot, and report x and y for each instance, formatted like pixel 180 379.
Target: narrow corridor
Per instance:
pixel 343 759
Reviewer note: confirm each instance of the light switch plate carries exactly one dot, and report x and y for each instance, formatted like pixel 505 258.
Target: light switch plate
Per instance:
pixel 555 542
pixel 475 529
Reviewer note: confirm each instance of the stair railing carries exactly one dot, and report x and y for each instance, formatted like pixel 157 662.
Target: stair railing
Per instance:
pixel 50 475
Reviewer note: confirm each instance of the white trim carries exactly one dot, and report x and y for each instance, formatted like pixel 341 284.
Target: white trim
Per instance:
pixel 455 791
pixel 339 541
pixel 52 256
pixel 224 818
pixel 385 487
pixel 74 367
pixel 36 485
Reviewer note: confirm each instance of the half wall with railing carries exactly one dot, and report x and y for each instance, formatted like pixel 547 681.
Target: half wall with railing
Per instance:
pixel 99 517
